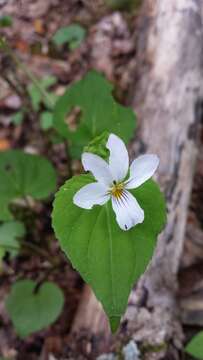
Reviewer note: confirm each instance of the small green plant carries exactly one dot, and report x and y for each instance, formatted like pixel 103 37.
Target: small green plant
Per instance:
pixel 195 346
pixel 23 175
pixel 73 35
pixel 38 99
pixel 6 21
pixel 107 221
pixel 33 308
pixel 98 112
pixel 36 94
pixel 107 253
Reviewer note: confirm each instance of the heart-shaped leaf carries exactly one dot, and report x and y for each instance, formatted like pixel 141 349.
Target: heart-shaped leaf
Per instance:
pixel 109 259
pixel 73 35
pixel 99 112
pixel 195 346
pixel 23 175
pixel 30 311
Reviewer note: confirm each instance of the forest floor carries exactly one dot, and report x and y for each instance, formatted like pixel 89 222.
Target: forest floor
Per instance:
pixel 113 34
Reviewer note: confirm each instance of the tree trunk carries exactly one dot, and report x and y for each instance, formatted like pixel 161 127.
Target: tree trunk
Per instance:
pixel 167 98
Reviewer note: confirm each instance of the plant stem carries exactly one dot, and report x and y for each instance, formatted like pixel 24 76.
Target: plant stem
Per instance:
pixel 38 250
pixel 33 248
pixel 7 49
pixel 45 276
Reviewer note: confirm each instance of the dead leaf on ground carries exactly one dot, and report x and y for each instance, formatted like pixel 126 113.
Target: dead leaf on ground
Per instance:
pixel 4 144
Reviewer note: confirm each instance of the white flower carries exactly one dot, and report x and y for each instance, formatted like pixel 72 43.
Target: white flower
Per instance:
pixel 111 183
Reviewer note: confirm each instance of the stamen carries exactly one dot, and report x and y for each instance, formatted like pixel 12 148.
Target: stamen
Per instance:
pixel 117 190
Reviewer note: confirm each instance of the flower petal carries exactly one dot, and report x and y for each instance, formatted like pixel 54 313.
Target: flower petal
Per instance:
pixel 98 167
pixel 90 195
pixel 141 170
pixel 128 211
pixel 118 160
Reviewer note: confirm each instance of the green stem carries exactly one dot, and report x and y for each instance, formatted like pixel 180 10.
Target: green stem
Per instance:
pixel 45 277
pixel 38 250
pixel 7 49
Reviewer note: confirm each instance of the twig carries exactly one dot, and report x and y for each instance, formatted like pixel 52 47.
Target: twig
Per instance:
pixel 39 251
pixel 7 49
pixel 12 85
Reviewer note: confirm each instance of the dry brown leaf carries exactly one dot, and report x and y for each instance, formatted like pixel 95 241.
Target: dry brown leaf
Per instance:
pixel 4 144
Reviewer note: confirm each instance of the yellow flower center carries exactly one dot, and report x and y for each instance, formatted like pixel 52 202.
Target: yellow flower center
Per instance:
pixel 117 190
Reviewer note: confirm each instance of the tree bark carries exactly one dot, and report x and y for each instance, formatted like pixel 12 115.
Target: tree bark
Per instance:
pixel 167 98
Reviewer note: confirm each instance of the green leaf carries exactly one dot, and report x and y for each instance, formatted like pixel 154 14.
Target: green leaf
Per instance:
pixel 48 81
pixel 23 175
pixel 53 98
pixel 56 138
pixel 46 120
pixel 99 113
pixel 73 35
pixel 109 259
pixel 10 232
pixel 6 21
pixel 195 346
pixel 36 95
pixel 98 145
pixel 2 254
pixel 17 118
pixel 31 311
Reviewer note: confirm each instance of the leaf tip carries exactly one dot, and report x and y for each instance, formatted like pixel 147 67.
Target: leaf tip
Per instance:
pixel 114 322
